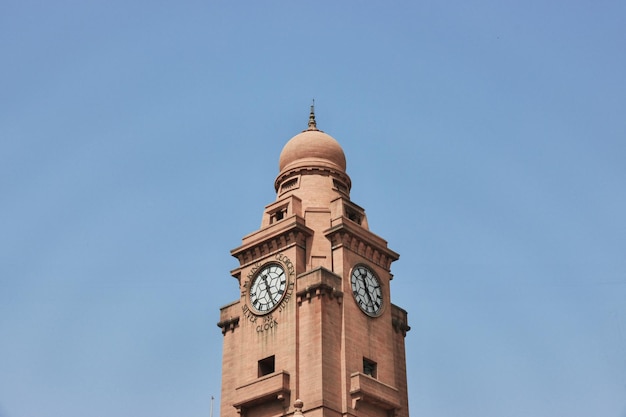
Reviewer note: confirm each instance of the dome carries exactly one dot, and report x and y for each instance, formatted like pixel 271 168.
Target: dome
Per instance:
pixel 312 148
pixel 315 157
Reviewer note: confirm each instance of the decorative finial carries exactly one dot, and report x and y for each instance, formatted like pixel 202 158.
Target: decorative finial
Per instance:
pixel 298 404
pixel 312 124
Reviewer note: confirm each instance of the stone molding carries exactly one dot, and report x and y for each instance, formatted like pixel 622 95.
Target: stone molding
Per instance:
pixel 319 290
pixel 273 239
pixel 362 242
pixel 228 325
pixel 341 176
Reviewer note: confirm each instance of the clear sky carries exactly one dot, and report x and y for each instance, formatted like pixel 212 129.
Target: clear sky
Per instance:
pixel 139 142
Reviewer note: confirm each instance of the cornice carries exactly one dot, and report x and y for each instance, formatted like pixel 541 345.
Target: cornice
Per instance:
pixel 355 238
pixel 279 236
pixel 309 170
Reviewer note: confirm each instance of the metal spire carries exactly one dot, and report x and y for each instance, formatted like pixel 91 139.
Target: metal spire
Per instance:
pixel 312 124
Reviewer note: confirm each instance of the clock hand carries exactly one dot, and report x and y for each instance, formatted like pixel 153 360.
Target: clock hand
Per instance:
pixel 367 291
pixel 267 288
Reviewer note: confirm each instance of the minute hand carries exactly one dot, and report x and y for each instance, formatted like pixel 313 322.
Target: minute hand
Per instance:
pixel 367 291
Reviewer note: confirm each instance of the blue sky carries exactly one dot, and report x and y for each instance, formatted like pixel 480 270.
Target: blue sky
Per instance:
pixel 139 142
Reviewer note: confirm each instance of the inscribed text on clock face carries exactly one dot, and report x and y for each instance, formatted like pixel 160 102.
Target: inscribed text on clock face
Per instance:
pixel 268 288
pixel 366 290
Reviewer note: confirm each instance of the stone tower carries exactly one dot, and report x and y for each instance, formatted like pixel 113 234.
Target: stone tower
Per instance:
pixel 314 331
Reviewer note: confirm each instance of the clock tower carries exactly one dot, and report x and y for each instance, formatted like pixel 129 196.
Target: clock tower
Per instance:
pixel 313 331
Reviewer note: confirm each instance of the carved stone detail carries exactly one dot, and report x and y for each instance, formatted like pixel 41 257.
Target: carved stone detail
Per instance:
pixel 229 325
pixel 273 244
pixel 318 291
pixel 400 326
pixel 382 257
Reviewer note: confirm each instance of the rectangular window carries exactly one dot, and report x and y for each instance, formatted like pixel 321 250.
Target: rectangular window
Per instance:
pixel 266 366
pixel 369 367
pixel 354 215
pixel 278 215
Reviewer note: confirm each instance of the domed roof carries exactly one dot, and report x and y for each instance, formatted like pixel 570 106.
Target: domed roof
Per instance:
pixel 312 148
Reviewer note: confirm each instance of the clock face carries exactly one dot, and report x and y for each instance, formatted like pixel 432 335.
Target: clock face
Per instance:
pixel 366 290
pixel 268 288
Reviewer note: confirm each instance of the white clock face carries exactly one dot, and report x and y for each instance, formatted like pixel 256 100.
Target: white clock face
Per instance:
pixel 268 288
pixel 366 290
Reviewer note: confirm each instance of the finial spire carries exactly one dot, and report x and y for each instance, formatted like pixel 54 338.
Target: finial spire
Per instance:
pixel 312 124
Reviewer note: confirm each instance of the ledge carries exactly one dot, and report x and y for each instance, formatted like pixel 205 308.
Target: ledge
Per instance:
pixel 366 389
pixel 268 388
